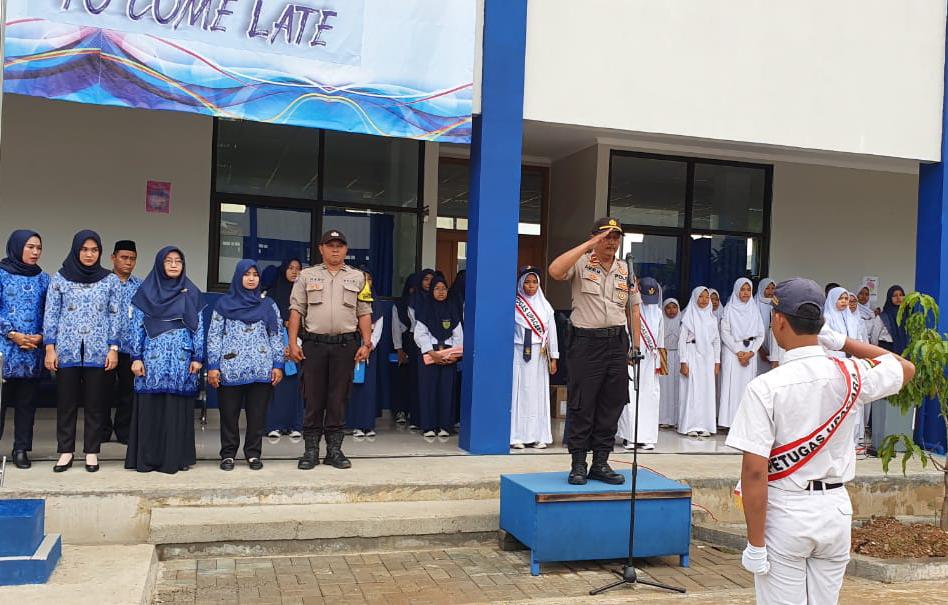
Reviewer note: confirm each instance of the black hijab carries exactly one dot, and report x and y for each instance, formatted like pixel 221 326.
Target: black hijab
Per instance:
pixel 439 317
pixel 13 263
pixel 169 303
pixel 408 292
pixel 73 269
pixel 281 289
pixel 890 314
pixel 456 295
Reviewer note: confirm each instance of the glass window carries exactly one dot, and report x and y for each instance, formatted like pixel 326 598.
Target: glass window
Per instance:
pixel 383 243
pixel 718 260
pixel 453 184
pixel 729 198
pixel 655 256
pixel 363 169
pixel 267 159
pixel 268 235
pixel 648 191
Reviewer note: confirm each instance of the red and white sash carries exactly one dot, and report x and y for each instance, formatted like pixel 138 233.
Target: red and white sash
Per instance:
pixel 648 337
pixel 788 459
pixel 530 316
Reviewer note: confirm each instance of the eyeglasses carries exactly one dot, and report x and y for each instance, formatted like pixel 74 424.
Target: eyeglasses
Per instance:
pixel 171 262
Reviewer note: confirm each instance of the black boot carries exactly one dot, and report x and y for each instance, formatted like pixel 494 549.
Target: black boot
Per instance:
pixel 601 471
pixel 334 456
pixel 21 459
pixel 577 475
pixel 310 457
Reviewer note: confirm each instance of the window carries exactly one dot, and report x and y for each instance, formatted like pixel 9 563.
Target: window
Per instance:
pixel 692 222
pixel 277 188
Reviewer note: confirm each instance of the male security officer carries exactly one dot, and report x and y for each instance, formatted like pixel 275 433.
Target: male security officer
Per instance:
pixel 598 353
pixel 336 329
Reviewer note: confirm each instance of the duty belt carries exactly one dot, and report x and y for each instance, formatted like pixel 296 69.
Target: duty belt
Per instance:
pixel 331 339
pixel 819 485
pixel 599 332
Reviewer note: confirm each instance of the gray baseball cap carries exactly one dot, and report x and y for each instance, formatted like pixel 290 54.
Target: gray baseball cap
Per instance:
pixel 799 297
pixel 650 290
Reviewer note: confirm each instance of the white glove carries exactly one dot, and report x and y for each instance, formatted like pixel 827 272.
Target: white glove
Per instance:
pixel 831 340
pixel 755 560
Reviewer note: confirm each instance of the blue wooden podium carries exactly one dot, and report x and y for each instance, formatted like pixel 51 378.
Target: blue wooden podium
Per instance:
pixel 562 522
pixel 27 556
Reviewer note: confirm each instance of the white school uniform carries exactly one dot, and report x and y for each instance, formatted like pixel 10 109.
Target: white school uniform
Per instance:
pixel 670 385
pixel 771 352
pixel 719 315
pixel 649 383
pixel 741 330
pixel 699 345
pixel 807 532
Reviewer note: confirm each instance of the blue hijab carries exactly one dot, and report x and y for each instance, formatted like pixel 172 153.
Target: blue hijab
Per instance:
pixel 248 306
pixel 73 269
pixel 890 314
pixel 13 263
pixel 169 303
pixel 440 317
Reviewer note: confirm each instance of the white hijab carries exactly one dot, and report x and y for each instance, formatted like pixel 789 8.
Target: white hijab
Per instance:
pixel 701 322
pixel 764 304
pixel 719 314
pixel 743 317
pixel 866 313
pixel 843 321
pixel 672 325
pixel 539 303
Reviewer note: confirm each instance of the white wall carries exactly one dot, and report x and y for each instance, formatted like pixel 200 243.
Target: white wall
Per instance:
pixel 839 225
pixel 67 166
pixel 859 76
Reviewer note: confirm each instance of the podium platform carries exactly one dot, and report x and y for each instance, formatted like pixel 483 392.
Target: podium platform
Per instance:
pixel 27 556
pixel 562 522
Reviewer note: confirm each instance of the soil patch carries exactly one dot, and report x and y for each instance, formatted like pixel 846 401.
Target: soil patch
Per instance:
pixel 888 538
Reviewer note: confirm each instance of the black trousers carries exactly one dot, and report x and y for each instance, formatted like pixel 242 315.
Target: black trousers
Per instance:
pixel 121 399
pixel 327 382
pixel 91 387
pixel 598 390
pixel 254 398
pixel 20 394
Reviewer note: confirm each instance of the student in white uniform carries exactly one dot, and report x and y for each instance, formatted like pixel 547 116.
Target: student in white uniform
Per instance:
pixel 700 348
pixel 796 459
pixel 861 326
pixel 869 316
pixel 535 354
pixel 670 383
pixel 742 334
pixel 767 354
pixel 717 309
pixel 651 343
pixel 838 318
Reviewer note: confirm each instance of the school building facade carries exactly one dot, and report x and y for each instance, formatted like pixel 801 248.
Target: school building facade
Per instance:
pixel 731 138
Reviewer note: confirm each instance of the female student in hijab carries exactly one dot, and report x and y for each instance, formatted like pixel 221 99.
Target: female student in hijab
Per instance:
pixel 23 287
pixel 405 377
pixel 716 309
pixel 167 358
pixel 670 382
pixel 838 318
pixel 894 338
pixel 869 316
pixel 742 334
pixel 535 353
pixel 81 333
pixel 418 300
pixel 437 328
pixel 650 368
pixel 862 328
pixel 700 347
pixel 285 413
pixel 244 362
pixel 769 353
pixel 364 399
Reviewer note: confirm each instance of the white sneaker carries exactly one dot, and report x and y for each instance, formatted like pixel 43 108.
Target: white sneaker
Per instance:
pixel 693 434
pixel 648 446
pixel 370 433
pixel 517 446
pixel 412 427
pixel 273 434
pixel 358 433
pixel 295 434
pixel 429 434
pixel 539 445
pixel 629 446
pixel 443 433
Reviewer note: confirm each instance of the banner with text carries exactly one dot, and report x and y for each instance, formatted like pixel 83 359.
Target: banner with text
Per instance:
pixel 401 68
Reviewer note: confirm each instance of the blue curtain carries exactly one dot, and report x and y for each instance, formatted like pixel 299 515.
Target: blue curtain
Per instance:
pixel 717 263
pixel 930 427
pixel 381 253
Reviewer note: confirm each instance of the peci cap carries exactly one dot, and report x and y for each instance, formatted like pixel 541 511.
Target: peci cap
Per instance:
pixel 651 291
pixel 799 297
pixel 607 224
pixel 124 244
pixel 333 235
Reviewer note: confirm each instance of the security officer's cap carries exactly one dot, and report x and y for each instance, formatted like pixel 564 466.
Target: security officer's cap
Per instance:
pixel 651 291
pixel 607 224
pixel 333 235
pixel 799 297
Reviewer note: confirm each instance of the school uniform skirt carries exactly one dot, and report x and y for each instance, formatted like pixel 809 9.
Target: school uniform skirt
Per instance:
pixel 286 410
pixel 162 433
pixel 363 402
pixel 436 396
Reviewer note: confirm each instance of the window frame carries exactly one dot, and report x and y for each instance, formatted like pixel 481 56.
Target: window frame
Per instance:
pixel 684 233
pixel 316 207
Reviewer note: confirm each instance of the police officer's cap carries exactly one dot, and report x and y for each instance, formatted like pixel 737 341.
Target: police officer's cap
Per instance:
pixel 799 297
pixel 651 291
pixel 333 235
pixel 607 223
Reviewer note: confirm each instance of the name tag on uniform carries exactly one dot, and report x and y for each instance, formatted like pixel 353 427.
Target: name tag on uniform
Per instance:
pixel 314 286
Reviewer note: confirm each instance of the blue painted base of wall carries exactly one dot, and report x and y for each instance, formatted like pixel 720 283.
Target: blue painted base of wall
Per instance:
pixel 34 568
pixel 21 527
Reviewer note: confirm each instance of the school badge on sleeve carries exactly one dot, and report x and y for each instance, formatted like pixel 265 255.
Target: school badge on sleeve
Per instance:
pixel 446 324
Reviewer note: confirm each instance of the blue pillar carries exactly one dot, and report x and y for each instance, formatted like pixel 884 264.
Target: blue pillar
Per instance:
pixel 493 215
pixel 931 266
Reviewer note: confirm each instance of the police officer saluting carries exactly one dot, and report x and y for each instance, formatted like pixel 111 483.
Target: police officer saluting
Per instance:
pixel 603 306
pixel 336 329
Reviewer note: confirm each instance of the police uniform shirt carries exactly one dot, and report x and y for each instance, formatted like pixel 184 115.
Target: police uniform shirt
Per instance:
pixel 792 402
pixel 329 303
pixel 599 296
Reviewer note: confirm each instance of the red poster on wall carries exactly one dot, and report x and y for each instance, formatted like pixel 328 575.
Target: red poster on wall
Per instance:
pixel 158 197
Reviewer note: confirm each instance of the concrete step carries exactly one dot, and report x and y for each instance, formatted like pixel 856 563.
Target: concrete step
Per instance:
pixel 351 527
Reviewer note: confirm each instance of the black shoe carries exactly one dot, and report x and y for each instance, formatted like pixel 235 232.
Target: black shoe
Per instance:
pixel 62 468
pixel 227 464
pixel 334 456
pixel 255 464
pixel 577 474
pixel 601 471
pixel 310 457
pixel 21 459
pixel 92 468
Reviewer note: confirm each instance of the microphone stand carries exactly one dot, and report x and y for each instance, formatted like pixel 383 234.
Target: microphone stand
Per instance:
pixel 628 574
